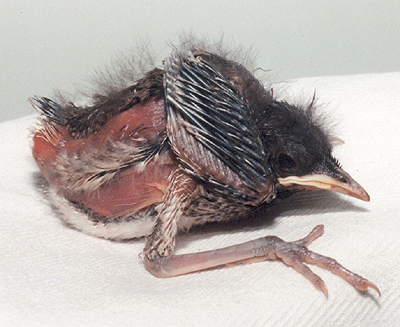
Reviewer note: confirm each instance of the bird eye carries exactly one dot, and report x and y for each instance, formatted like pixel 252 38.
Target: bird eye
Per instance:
pixel 286 162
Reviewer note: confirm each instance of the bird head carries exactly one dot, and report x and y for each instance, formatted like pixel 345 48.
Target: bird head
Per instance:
pixel 300 152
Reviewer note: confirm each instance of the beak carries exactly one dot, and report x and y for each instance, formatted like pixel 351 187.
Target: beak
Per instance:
pixel 342 182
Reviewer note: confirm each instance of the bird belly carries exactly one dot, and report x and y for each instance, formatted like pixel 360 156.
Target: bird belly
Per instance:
pixel 128 191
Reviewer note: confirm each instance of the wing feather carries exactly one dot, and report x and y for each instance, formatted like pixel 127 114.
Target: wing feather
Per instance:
pixel 209 124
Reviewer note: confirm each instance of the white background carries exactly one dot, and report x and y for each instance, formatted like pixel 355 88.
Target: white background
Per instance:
pixel 55 44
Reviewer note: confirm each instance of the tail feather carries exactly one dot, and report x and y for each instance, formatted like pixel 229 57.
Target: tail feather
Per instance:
pixel 49 109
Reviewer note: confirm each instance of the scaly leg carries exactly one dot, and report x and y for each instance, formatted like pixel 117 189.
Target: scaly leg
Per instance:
pixel 294 254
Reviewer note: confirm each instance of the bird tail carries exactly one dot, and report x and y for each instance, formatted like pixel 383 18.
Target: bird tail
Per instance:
pixel 51 110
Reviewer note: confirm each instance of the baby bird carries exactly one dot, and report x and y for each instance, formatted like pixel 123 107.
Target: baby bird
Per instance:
pixel 199 140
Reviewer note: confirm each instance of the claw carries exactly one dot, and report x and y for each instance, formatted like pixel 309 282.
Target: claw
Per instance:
pixel 294 254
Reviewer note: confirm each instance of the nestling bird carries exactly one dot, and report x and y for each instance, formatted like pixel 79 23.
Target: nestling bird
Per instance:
pixel 196 141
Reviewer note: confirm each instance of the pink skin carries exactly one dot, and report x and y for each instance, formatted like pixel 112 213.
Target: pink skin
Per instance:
pixel 132 189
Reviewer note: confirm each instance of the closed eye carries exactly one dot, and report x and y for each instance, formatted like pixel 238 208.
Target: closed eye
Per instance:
pixel 286 162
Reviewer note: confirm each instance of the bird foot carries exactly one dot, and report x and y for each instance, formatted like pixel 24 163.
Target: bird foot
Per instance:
pixel 294 254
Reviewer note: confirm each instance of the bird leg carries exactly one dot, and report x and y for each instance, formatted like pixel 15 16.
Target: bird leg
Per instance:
pixel 294 254
pixel 161 243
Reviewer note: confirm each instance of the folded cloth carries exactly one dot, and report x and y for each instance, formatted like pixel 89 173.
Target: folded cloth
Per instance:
pixel 51 275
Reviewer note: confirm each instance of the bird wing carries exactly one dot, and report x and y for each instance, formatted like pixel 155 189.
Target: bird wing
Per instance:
pixel 209 125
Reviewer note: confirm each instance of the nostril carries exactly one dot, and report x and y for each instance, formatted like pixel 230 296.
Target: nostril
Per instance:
pixel 343 180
